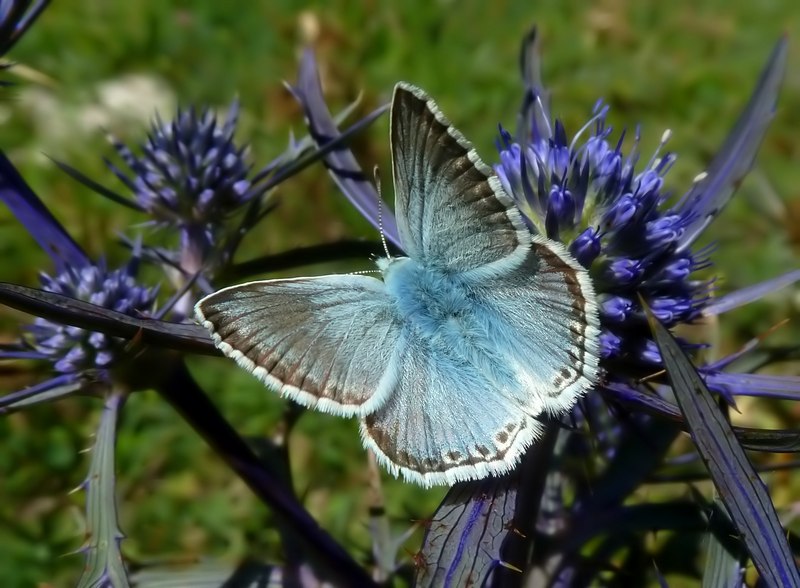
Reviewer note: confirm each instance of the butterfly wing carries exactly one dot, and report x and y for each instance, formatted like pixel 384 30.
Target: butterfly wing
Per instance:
pixel 446 421
pixel 451 209
pixel 329 343
pixel 543 320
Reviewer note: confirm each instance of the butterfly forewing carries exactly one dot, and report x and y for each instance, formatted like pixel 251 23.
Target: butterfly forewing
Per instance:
pixel 451 210
pixel 328 343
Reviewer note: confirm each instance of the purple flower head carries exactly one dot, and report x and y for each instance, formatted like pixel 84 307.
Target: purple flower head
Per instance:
pixel 73 350
pixel 190 170
pixel 77 355
pixel 190 176
pixel 590 193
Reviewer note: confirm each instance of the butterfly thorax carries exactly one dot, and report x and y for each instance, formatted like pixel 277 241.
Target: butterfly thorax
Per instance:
pixel 439 308
pixel 432 300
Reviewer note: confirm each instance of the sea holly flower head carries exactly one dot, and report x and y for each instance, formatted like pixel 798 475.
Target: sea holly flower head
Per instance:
pixel 73 350
pixel 192 178
pixel 190 170
pixel 596 193
pixel 612 213
pixel 77 355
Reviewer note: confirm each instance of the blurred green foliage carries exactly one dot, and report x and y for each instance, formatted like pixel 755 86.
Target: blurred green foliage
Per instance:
pixel 90 65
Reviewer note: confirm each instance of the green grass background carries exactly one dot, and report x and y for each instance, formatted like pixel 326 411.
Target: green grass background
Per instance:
pixel 688 66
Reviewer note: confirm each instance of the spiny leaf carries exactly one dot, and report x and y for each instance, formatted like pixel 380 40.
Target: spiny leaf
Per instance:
pixel 104 565
pixel 741 490
pixel 708 197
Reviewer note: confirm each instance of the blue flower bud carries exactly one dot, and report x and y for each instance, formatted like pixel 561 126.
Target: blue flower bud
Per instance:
pixel 615 309
pixel 610 344
pixel 664 231
pixel 624 271
pixel 586 247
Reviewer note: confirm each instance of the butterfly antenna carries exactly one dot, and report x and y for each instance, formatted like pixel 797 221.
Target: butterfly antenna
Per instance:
pixel 364 272
pixel 377 175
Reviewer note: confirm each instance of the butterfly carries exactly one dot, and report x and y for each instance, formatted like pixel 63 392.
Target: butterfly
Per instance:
pixel 452 358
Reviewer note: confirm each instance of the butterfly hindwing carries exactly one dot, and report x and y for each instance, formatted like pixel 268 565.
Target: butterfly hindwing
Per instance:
pixel 447 421
pixel 451 209
pixel 329 343
pixel 542 320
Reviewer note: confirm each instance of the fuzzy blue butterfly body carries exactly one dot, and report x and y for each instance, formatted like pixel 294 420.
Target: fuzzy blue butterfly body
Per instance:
pixel 441 309
pixel 451 357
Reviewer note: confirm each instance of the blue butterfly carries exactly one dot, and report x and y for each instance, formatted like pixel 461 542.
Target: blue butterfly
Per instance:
pixel 451 357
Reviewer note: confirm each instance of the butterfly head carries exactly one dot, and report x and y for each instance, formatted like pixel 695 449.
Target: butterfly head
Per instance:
pixel 388 264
